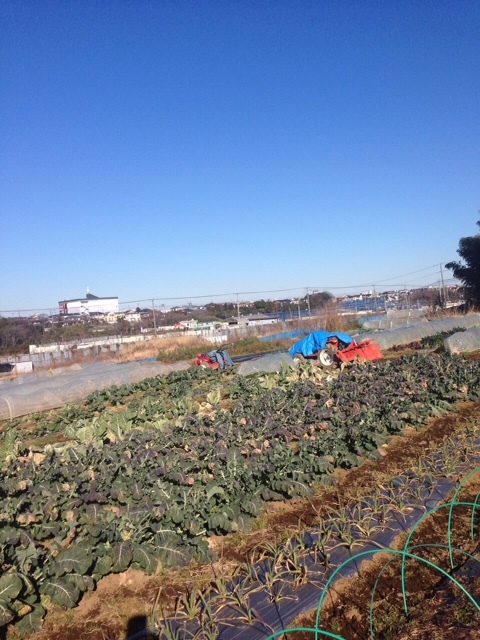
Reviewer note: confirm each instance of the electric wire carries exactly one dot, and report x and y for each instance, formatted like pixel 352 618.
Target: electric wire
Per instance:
pixel 236 294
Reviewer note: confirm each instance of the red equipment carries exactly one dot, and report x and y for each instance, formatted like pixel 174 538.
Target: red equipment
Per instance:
pixel 205 361
pixel 364 350
pixel 218 359
pixel 335 352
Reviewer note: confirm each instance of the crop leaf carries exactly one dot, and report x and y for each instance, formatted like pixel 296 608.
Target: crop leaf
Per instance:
pixel 62 592
pixel 94 497
pixel 122 556
pixel 9 535
pixel 170 549
pixel 74 559
pixel 46 530
pixel 32 622
pixel 214 490
pixel 145 559
pixel 119 492
pixel 77 453
pixel 10 586
pixel 93 514
pixel 6 614
pixel 136 491
pixel 86 434
pixel 26 557
pixel 103 565
pixel 81 582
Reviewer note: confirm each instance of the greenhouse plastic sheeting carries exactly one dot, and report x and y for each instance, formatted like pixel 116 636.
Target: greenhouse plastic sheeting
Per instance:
pixel 51 389
pixel 405 335
pixel 394 319
pixel 271 363
pixel 463 341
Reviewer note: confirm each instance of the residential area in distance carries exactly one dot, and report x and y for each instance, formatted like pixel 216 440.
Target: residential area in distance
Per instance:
pixel 92 316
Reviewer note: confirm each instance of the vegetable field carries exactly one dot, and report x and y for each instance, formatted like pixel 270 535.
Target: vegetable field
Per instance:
pixel 146 476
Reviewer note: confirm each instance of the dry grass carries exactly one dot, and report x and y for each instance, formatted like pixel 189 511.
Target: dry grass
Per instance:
pixel 136 351
pixel 168 344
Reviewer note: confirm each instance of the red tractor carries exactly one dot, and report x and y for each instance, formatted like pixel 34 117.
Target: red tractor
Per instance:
pixel 330 349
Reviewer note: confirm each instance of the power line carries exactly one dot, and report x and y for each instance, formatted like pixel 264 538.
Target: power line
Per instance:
pixel 415 280
pixel 249 293
pixel 219 295
pixel 376 282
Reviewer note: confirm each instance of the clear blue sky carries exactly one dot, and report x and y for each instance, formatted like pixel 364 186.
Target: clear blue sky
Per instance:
pixel 172 149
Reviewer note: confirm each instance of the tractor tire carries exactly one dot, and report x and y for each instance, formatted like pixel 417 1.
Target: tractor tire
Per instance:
pixel 297 358
pixel 326 358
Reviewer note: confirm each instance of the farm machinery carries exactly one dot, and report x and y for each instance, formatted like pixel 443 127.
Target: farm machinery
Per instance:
pixel 332 349
pixel 217 359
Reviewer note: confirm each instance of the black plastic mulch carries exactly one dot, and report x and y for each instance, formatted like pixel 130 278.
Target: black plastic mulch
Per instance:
pixel 272 610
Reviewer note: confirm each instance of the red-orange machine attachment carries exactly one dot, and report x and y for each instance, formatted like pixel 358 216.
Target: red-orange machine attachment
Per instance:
pixel 365 350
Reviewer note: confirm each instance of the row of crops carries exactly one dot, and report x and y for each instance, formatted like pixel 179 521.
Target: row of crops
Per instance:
pixel 144 474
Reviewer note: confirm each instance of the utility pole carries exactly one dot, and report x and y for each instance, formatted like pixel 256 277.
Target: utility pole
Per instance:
pixel 154 318
pixel 442 293
pixel 238 308
pixel 375 296
pixel 308 304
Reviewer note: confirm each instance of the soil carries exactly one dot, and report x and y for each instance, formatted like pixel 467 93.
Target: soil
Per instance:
pixel 122 604
pixel 437 609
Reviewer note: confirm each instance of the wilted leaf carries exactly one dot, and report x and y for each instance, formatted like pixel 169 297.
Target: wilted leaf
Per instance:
pixel 26 518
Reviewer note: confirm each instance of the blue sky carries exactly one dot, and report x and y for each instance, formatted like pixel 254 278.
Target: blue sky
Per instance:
pixel 187 148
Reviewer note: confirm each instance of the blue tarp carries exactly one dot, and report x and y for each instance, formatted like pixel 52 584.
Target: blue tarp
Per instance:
pixel 316 341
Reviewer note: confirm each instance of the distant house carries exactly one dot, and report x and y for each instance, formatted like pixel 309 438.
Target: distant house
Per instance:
pixel 186 325
pixel 129 316
pixel 132 316
pixel 88 305
pixel 253 320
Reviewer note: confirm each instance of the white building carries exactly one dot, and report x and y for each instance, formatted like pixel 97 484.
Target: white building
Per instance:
pixel 88 305
pixel 129 316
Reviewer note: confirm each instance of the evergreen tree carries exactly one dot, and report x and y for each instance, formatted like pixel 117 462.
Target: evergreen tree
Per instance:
pixel 468 272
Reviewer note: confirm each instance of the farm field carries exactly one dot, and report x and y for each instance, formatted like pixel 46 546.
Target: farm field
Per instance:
pixel 150 499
